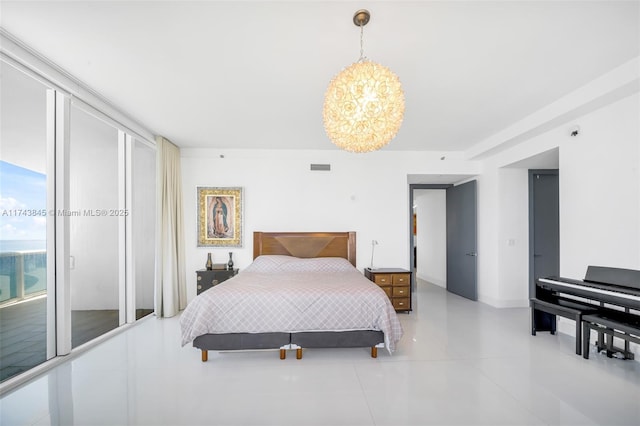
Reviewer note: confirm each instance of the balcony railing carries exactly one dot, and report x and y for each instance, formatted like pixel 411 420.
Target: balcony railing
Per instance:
pixel 23 274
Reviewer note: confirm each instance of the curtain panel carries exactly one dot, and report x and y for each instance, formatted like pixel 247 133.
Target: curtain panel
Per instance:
pixel 171 288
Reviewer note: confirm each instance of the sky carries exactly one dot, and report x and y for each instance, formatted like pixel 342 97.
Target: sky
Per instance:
pixel 21 189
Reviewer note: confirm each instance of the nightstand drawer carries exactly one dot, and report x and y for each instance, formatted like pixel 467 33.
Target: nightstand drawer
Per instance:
pixel 400 279
pixel 400 291
pixel 207 281
pixel 210 278
pixel 401 303
pixel 383 279
pixel 396 283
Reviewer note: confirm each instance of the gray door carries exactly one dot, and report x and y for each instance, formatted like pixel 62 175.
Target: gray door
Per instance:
pixel 461 240
pixel 544 251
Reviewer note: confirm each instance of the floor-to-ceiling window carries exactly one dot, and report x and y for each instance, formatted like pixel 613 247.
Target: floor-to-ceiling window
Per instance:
pixel 25 263
pixel 144 224
pixel 77 221
pixel 95 226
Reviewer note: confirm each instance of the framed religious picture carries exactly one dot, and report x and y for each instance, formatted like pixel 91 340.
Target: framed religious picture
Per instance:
pixel 219 217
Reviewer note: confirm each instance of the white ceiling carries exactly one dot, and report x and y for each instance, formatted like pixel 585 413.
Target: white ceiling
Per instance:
pixel 252 74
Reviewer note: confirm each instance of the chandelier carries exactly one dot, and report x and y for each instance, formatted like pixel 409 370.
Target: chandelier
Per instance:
pixel 364 103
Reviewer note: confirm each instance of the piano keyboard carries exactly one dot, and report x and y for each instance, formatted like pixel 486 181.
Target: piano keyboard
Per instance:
pixel 633 301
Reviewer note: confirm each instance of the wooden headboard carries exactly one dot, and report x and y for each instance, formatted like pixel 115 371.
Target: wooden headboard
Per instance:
pixel 306 244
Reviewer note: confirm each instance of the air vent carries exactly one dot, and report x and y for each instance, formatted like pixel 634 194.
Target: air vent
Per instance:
pixel 321 167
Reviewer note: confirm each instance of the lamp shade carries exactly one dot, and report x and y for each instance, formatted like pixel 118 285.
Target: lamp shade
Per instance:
pixel 363 107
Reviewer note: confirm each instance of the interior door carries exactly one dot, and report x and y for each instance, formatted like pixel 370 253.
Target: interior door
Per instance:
pixel 544 237
pixel 462 240
pixel 545 224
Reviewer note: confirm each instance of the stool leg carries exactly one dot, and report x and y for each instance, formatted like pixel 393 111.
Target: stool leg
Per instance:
pixel 578 335
pixel 533 321
pixel 586 331
pixel 601 344
pixel 610 350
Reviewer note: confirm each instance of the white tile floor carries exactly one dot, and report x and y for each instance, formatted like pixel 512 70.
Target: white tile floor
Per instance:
pixel 459 362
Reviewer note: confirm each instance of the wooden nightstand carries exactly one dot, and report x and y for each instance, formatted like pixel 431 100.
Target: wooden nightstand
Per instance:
pixel 208 278
pixel 396 283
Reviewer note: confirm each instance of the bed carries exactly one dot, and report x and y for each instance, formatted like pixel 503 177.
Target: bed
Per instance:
pixel 301 291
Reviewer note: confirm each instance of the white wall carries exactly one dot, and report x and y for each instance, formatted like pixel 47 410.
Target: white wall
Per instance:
pixel 599 187
pixel 366 193
pixel 599 190
pixel 599 213
pixel 431 237
pixel 598 107
pixel 600 199
pixel 488 215
pixel 513 237
pixel 599 203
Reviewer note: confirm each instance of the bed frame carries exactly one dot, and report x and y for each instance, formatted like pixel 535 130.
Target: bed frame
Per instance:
pixel 305 245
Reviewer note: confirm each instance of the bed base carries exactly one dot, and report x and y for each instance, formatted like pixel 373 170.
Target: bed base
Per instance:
pixel 342 339
pixel 289 341
pixel 374 351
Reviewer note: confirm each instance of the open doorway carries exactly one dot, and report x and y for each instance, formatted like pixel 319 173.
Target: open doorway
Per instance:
pixel 443 236
pixel 429 235
pixel 528 226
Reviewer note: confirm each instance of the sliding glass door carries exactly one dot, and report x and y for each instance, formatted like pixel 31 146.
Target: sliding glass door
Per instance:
pixel 95 227
pixel 77 221
pixel 27 325
pixel 143 208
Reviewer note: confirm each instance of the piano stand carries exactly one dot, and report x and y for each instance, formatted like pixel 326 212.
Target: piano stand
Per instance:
pixel 616 290
pixel 614 324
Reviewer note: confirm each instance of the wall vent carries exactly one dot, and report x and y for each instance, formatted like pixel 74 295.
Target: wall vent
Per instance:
pixel 321 167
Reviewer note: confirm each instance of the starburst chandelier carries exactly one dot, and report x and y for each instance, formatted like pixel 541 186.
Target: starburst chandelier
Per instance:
pixel 364 103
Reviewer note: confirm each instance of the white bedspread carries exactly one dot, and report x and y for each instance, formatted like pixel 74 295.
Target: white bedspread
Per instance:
pixel 288 298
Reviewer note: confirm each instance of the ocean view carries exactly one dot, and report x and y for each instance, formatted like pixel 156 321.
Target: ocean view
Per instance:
pixel 15 256
pixel 22 245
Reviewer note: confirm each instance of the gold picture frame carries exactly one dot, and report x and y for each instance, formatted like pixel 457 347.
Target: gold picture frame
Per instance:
pixel 219 217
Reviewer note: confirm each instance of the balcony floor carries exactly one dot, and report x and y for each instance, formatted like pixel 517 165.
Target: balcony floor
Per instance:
pixel 23 332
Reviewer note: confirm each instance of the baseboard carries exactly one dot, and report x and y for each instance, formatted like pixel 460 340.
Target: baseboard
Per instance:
pixel 431 280
pixel 500 303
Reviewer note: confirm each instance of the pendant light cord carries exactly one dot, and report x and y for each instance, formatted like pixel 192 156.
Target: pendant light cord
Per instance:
pixel 362 58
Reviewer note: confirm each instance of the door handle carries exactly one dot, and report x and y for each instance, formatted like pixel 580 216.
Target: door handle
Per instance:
pixel 474 254
pixel 537 255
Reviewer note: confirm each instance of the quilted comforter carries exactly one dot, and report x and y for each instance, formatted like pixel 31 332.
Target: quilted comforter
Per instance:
pixel 288 294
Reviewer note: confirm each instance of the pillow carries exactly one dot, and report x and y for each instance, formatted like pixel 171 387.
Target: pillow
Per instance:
pixel 268 263
pixel 318 264
pixel 280 263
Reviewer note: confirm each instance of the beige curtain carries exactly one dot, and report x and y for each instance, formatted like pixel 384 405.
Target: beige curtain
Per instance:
pixel 171 289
